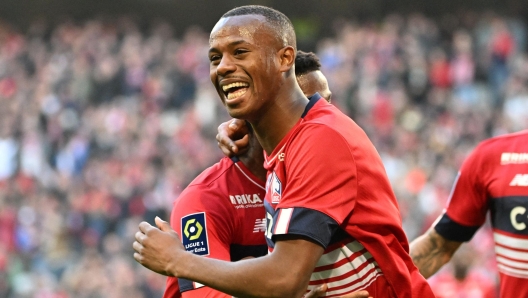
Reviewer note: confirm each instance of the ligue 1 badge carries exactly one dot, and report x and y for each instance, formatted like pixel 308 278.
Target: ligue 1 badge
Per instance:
pixel 194 234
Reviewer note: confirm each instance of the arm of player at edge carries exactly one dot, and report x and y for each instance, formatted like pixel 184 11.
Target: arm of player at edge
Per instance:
pixel 431 251
pixel 283 273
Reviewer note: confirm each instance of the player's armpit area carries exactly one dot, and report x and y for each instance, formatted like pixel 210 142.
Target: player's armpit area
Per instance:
pixel 431 251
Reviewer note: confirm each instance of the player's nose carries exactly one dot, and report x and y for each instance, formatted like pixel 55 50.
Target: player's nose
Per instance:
pixel 225 66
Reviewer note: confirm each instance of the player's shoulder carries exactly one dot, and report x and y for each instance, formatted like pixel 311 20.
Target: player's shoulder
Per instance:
pixel 206 194
pixel 315 138
pixel 324 129
pixel 505 141
pixel 320 111
pixel 335 130
pixel 325 117
pixel 213 174
pixel 505 138
pixel 210 183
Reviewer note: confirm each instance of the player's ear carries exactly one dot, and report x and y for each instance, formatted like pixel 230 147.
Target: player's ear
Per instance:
pixel 287 58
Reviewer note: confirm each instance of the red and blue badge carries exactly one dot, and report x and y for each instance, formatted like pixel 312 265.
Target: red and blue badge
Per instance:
pixel 276 189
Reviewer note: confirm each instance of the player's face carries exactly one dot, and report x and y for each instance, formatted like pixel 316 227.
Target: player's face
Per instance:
pixel 313 82
pixel 244 64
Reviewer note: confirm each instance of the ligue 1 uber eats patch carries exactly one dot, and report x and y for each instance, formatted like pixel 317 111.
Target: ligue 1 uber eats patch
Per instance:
pixel 194 234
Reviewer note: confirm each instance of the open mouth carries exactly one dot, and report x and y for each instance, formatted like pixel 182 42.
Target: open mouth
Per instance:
pixel 235 90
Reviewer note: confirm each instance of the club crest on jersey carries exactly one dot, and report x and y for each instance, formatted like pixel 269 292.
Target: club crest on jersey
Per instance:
pixel 194 234
pixel 275 189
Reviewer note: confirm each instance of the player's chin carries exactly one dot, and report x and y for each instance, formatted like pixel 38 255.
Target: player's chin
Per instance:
pixel 235 109
pixel 236 113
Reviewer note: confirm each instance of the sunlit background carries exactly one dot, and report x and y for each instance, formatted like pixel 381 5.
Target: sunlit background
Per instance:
pixel 107 113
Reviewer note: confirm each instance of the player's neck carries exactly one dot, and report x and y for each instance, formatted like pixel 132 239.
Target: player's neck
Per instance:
pixel 255 166
pixel 275 124
pixel 253 159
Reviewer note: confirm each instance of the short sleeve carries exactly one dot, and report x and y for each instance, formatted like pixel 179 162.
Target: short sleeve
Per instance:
pixel 172 290
pixel 205 226
pixel 321 186
pixel 468 203
pixel 321 174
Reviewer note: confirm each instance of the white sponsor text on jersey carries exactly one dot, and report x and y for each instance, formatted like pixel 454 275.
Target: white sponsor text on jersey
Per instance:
pixel 514 158
pixel 246 200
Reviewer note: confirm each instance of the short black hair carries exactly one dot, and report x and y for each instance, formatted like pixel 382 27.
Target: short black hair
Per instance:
pixel 306 62
pixel 276 19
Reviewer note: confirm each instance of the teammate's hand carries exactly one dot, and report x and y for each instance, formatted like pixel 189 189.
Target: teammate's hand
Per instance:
pixel 321 290
pixel 158 249
pixel 232 137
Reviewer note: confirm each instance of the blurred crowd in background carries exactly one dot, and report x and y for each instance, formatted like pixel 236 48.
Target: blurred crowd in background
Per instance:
pixel 104 123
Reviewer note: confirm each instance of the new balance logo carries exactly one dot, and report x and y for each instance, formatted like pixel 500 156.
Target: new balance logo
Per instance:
pixel 514 158
pixel 246 200
pixel 520 180
pixel 260 225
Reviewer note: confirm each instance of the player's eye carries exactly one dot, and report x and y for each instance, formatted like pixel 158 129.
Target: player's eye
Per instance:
pixel 214 58
pixel 239 52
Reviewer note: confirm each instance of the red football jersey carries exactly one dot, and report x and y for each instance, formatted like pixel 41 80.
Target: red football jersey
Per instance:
pixel 326 182
pixel 495 178
pixel 219 215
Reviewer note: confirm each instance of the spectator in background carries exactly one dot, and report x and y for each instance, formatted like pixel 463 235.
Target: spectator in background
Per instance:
pixel 79 163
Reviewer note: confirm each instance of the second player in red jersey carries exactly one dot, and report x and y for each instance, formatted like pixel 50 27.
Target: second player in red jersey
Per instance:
pixel 493 178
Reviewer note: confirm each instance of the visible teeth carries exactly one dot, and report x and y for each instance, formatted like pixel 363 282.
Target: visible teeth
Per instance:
pixel 238 93
pixel 233 85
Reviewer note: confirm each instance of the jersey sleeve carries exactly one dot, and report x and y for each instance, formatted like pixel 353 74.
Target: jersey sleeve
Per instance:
pixel 467 204
pixel 204 226
pixel 321 187
pixel 172 289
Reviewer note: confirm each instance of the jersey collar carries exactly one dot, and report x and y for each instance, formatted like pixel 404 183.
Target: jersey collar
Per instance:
pixel 313 100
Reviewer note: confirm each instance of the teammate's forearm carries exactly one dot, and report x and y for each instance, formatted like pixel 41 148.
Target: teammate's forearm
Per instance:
pixel 431 251
pixel 243 278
